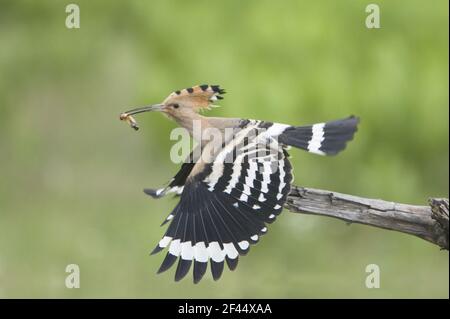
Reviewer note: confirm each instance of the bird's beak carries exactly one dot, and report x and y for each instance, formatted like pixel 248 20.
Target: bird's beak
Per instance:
pixel 156 107
pixel 127 116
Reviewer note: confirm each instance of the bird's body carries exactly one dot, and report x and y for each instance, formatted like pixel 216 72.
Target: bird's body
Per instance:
pixel 235 183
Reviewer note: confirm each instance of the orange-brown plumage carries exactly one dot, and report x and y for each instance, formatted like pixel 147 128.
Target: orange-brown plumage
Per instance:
pixel 184 106
pixel 198 97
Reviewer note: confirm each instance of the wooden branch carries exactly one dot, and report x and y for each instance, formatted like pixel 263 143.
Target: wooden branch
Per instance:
pixel 427 222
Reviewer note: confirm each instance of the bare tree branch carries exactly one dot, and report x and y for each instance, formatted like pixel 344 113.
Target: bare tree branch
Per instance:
pixel 427 222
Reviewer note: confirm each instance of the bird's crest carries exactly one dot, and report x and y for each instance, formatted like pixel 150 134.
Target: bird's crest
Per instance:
pixel 199 97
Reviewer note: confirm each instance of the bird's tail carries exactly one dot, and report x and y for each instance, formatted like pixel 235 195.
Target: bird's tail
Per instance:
pixel 323 138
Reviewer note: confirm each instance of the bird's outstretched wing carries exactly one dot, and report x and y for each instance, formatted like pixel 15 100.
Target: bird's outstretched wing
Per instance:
pixel 176 184
pixel 226 205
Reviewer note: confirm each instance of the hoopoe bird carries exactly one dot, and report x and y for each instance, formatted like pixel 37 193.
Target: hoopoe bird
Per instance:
pixel 229 191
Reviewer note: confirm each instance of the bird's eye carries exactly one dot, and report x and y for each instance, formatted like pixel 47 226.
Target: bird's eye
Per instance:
pixel 176 106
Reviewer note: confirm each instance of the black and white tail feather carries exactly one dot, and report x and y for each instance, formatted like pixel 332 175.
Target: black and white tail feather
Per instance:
pixel 226 207
pixel 323 138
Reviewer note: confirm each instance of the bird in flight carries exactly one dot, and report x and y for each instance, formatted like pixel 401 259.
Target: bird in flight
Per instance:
pixel 235 181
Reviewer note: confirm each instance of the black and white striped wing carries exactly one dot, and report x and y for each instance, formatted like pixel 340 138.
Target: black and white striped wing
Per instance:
pixel 176 184
pixel 225 208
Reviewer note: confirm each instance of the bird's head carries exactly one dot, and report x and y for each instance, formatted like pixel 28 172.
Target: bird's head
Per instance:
pixel 181 105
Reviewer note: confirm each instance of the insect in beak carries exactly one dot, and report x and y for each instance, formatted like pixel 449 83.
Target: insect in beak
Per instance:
pixel 130 120
pixel 127 116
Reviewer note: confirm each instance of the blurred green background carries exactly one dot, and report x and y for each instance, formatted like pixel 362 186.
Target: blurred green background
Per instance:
pixel 72 174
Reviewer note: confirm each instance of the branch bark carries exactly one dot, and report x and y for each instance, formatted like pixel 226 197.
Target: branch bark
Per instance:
pixel 427 222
